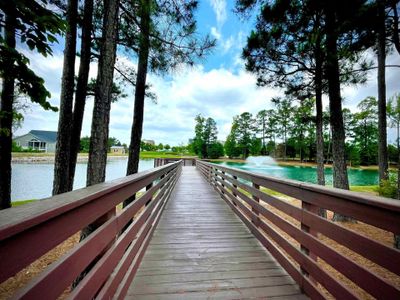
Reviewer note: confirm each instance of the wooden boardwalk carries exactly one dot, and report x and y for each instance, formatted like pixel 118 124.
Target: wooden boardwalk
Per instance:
pixel 201 250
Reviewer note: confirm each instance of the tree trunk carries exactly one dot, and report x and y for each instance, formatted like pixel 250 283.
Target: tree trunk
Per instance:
pixel 96 171
pixel 6 112
pixel 319 120
pixel 285 149
pixel 101 114
pixel 138 111
pixel 340 179
pixel 398 158
pixel 81 90
pixel 382 136
pixel 61 163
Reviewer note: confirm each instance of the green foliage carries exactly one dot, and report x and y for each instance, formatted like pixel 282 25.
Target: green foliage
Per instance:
pixel 37 27
pixel 112 141
pixel 230 146
pixel 84 144
pixel 15 147
pixel 393 153
pixel 215 150
pixel 365 130
pixel 116 90
pixel 388 188
pixel 147 146
pixel 205 140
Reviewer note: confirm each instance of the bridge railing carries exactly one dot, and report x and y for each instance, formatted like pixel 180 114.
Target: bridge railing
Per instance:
pixel 114 250
pixel 163 161
pixel 305 243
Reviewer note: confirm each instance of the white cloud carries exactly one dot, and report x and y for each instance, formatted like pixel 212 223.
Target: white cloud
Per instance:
pixel 215 33
pixel 218 93
pixel 219 7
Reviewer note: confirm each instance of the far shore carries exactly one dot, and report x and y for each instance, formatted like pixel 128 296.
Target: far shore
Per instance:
pixel 28 157
pixel 292 162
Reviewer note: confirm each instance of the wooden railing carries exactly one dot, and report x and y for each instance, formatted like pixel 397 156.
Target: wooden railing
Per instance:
pixel 114 250
pixel 297 236
pixel 163 161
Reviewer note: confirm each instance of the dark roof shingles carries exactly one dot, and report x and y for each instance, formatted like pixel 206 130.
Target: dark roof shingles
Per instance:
pixel 45 136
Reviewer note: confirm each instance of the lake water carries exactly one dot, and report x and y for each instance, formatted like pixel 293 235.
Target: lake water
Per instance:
pixel 306 174
pixel 35 181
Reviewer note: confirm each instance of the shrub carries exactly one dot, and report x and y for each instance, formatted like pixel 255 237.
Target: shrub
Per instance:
pixel 388 188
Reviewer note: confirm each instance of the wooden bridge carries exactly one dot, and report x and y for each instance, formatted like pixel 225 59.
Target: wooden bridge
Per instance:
pixel 204 232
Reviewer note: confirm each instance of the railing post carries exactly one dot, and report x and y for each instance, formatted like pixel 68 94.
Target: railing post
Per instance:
pixel 235 186
pixel 149 186
pixel 223 186
pixel 315 210
pixel 254 210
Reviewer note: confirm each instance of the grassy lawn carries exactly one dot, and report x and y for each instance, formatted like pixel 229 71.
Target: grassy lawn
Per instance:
pixel 371 189
pixel 18 203
pixel 156 154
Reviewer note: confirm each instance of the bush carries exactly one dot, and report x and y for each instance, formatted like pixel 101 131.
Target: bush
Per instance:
pixel 16 148
pixel 388 188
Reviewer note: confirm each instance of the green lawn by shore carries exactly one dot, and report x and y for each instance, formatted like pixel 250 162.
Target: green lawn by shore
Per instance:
pixel 156 154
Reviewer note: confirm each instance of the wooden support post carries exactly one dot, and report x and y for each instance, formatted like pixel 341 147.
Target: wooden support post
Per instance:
pixel 223 186
pixel 235 186
pixel 256 221
pixel 149 186
pixel 315 210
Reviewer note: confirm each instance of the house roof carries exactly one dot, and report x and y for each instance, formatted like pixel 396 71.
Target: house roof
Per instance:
pixel 45 136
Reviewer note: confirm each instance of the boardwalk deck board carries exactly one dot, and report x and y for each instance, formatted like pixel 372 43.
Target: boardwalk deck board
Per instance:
pixel 201 249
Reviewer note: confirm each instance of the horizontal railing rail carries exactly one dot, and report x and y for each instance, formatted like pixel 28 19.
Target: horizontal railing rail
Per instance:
pixel 163 161
pixel 296 235
pixel 114 250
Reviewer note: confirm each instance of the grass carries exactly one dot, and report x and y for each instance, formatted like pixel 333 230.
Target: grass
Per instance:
pixel 371 189
pixel 156 154
pixel 143 154
pixel 19 203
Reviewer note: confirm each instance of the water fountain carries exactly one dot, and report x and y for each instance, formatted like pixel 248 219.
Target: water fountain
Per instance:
pixel 260 161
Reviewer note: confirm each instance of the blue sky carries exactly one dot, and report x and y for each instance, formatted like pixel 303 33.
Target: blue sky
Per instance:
pixel 216 87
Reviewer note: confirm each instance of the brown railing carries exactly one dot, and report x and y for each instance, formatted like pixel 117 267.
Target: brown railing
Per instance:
pixel 117 246
pixel 299 238
pixel 163 161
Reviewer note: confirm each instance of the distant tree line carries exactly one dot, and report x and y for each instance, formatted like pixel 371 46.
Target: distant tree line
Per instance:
pixel 292 123
pixel 205 143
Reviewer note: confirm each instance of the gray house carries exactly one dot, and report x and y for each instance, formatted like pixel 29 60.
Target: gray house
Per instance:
pixel 38 140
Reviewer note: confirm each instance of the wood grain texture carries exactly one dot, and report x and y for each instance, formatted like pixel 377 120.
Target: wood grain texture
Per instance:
pixel 201 249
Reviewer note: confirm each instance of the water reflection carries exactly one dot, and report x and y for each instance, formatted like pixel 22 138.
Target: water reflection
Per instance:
pixel 35 181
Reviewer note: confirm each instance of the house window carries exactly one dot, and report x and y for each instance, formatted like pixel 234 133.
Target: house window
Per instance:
pixel 37 145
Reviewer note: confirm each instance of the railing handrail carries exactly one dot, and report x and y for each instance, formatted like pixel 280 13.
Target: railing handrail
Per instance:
pixel 378 201
pixel 279 220
pixel 28 232
pixel 17 219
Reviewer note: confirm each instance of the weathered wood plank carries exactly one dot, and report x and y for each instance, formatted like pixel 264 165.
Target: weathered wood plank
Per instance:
pixel 202 249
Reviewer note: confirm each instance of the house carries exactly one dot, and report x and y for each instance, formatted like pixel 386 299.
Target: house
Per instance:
pixel 151 142
pixel 40 140
pixel 117 149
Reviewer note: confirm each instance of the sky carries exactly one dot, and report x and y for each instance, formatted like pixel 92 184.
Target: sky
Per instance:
pixel 217 86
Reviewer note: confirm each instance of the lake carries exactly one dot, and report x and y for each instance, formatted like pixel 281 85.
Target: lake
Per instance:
pixel 35 180
pixel 306 174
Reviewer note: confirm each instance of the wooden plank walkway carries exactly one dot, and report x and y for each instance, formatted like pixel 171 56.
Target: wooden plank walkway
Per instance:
pixel 202 250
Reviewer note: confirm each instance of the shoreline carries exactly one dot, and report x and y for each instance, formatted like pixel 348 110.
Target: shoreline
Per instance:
pixel 282 163
pixel 32 158
pixel 51 158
